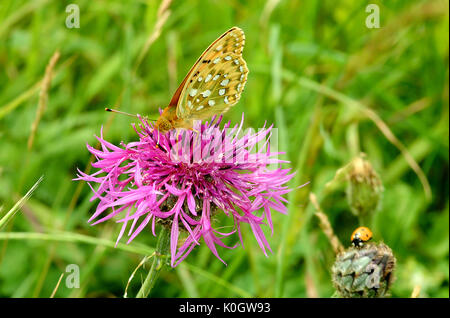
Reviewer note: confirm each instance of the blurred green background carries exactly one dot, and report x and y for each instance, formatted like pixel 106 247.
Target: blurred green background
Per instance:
pixel 331 85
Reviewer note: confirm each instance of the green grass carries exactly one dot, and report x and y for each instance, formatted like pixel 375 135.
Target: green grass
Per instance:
pixel 331 86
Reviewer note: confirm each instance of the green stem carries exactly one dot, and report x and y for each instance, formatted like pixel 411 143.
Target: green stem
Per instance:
pixel 365 220
pixel 162 248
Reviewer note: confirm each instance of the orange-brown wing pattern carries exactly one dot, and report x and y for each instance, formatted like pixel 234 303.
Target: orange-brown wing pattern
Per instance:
pixel 216 80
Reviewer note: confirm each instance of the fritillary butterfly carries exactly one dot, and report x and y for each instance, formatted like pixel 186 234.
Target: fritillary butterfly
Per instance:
pixel 211 87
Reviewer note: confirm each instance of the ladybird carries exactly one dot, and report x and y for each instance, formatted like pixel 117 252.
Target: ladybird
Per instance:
pixel 361 235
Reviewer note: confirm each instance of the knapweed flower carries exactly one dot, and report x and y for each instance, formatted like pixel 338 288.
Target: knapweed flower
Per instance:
pixel 184 179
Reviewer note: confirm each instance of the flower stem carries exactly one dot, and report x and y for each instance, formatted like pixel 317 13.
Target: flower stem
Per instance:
pixel 162 248
pixel 365 220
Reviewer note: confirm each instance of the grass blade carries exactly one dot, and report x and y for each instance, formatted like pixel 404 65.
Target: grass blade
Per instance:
pixel 76 238
pixel 10 214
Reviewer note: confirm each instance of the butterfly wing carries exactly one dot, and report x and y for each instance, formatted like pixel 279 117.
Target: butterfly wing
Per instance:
pixel 216 80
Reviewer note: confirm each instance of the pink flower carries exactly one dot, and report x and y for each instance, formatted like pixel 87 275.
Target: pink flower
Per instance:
pixel 182 179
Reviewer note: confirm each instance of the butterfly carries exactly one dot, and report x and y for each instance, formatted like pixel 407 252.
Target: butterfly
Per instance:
pixel 212 85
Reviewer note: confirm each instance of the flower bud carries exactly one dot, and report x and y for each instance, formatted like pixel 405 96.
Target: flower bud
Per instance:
pixel 364 188
pixel 365 272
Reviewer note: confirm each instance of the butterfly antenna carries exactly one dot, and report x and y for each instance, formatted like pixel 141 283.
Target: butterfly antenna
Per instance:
pixel 119 112
pixel 126 114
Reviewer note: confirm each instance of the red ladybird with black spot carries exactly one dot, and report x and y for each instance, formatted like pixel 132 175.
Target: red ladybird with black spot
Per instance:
pixel 361 235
